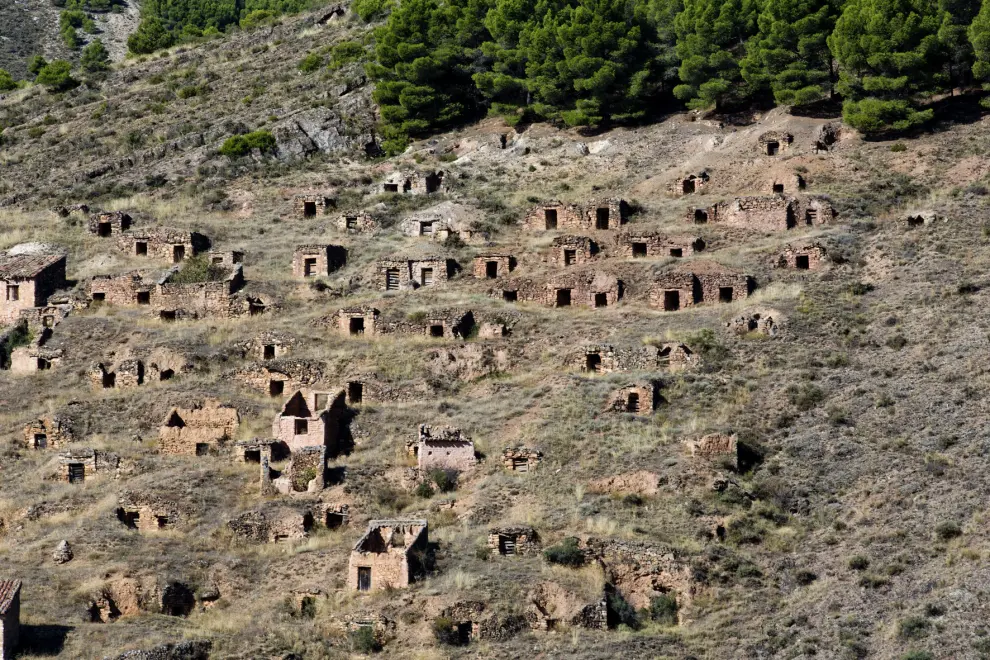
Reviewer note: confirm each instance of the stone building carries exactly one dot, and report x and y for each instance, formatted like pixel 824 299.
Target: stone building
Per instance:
pixel 444 448
pixel 807 257
pixel 273 523
pixel 163 243
pixel 607 358
pixel 269 345
pixel 228 258
pixel 491 265
pixel 356 222
pixel 199 430
pixel 106 224
pixel 604 214
pixel 355 321
pixel 27 280
pixel 655 245
pixel 716 447
pixel 637 398
pixel 305 473
pixel 33 358
pixel 308 205
pixel 310 418
pixel 690 184
pixel 407 183
pixel 770 213
pixel 317 260
pixel 786 184
pixel 572 251
pixel 444 221
pixel 122 375
pixel 146 512
pixel 438 323
pixel 519 540
pixel 585 287
pixel 554 215
pixel 256 450
pixel 412 273
pixel 698 283
pixel 391 554
pixel 49 432
pixel 762 324
pixel 10 617
pixel 169 300
pixel 774 142
pixel 77 465
pixel 521 459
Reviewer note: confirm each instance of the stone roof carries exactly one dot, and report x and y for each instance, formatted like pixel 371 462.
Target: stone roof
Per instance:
pixel 705 267
pixel 26 265
pixel 8 590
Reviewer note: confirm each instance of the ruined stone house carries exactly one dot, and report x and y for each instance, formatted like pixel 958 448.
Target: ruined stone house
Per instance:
pixel 49 432
pixel 356 321
pixel 169 300
pixel 774 142
pixel 786 184
pixel 163 244
pixel 758 323
pixel 412 273
pixel 516 540
pixel 356 222
pixel 406 183
pixel 199 430
pixel 605 214
pixel 308 205
pixel 698 283
pixel 607 358
pixel 585 287
pixel 571 251
pixel 444 221
pixel 553 215
pixel 106 224
pixel 310 418
pixel 474 620
pixel 305 473
pixel 10 617
pixel 492 265
pixel 443 448
pixel 273 523
pixel 641 572
pixel 269 345
pixel 771 213
pixel 437 323
pixel 27 280
pixel 391 554
pixel 549 607
pixel 806 257
pixel 254 451
pixel 145 512
pixel 43 319
pixel 228 258
pixel 34 358
pixel 123 375
pixel 654 245
pixel 922 218
pixel 521 459
pixel 690 184
pixel 77 465
pixel 317 260
pixel 716 447
pixel 637 398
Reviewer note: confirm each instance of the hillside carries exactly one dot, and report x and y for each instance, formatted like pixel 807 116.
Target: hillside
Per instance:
pixel 806 487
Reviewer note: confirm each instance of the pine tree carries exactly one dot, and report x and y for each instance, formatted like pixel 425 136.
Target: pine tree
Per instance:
pixel 957 16
pixel 7 81
pixel 95 57
pixel 790 54
pixel 150 36
pixel 710 42
pixel 979 38
pixel 889 53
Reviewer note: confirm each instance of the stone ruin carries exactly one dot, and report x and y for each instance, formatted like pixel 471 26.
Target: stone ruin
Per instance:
pixel 43 319
pixel 65 211
pixel 716 447
pixel 276 377
pixel 391 554
pixel 412 184
pixel 521 459
pixel 473 621
pixel 200 430
pixel 305 473
pixel 77 465
pixel 256 450
pixel 146 513
pixel 788 184
pixel 189 650
pixel 758 323
pixel 27 280
pixel 228 258
pixel 106 224
pixel 637 398
pixel 355 321
pixel 172 301
pixel 492 265
pixel 690 184
pixel 606 358
pixel 436 323
pixel 550 606
pixel 123 596
pixel 269 345
pixel 317 260
pixel 273 523
pixel 605 214
pixel 163 243
pixel 572 251
pixel 519 540
pixel 447 220
pixel 553 215
pixel 584 287
pixel 310 418
pixel 402 273
pixel 774 142
pixel 466 362
pixel 309 204
pixel 771 213
pixel 33 358
pixel 10 617
pixel 443 448
pixel 806 257
pixel 356 221
pixel 49 432
pixel 922 218
pixel 828 134
pixel 655 245
pixel 122 375
pixel 697 283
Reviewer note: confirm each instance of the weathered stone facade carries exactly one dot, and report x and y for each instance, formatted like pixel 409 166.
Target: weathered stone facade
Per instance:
pixel 199 430
pixel 27 280
pixel 585 287
pixel 771 213
pixel 50 432
pixel 228 258
pixel 604 214
pixel 572 251
pixel 521 459
pixel 172 301
pixel 356 321
pixel 549 605
pixel 786 184
pixel 146 513
pixel 754 323
pixel 273 524
pixel 806 257
pixel 310 418
pixel 637 398
pixel 438 323
pixel 606 358
pixel 517 540
pixel 392 553
pixel 412 273
pixel 77 465
pixel 698 283
pixel 654 245
pixel 356 222
pixel 10 617
pixel 716 447
pixel 306 472
pixel 29 359
pixel 317 260
pixel 309 204
pixel 106 224
pixel 443 448
pixel 774 142
pixel 690 184
pixel 554 215
pixel 407 183
pixel 163 243
pixel 492 265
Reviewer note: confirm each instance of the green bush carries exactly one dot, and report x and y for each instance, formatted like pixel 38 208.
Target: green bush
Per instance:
pixel 237 146
pixel 95 57
pixel 663 609
pixel 7 81
pixel 370 10
pixel 947 531
pixel 345 52
pixel 565 553
pixel 424 490
pixel 310 63
pixel 256 18
pixel 859 563
pixel 445 631
pixel 913 627
pixel 199 269
pixel 56 76
pixel 444 481
pixel 150 36
pixel 917 655
pixel 364 640
pixel 36 64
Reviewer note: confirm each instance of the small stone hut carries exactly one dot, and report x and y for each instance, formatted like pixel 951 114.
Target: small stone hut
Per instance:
pixel 413 272
pixel 491 265
pixel 521 459
pixel 317 260
pixel 553 215
pixel 690 184
pixel 716 447
pixel 636 398
pixel 391 554
pixel 27 280
pixel 356 321
pixel 163 243
pixel 444 448
pixel 517 540
pixel 697 283
pixel 308 205
pixel 646 245
pixel 407 183
pixel 310 418
pixel 773 142
pixel 49 432
pixel 106 224
pixel 806 257
pixel 77 465
pixel 199 430
pixel 10 617
pixel 572 251
pixel 356 222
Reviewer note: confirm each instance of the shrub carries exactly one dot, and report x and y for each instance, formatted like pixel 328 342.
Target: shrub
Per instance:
pixel 913 627
pixel 370 10
pixel 56 76
pixel 364 640
pixel 150 36
pixel 7 81
pixel 95 57
pixel 36 64
pixel 948 530
pixel 917 655
pixel 198 269
pixel 622 613
pixel 805 577
pixel 256 18
pixel 345 52
pixel 565 553
pixel 859 563
pixel 860 288
pixel 424 490
pixel 237 146
pixel 898 147
pixel 663 609
pixel 310 63
pixel 444 480
pixel 445 631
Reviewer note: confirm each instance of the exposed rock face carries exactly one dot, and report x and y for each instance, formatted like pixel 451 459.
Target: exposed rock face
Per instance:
pixel 195 650
pixel 316 130
pixel 63 553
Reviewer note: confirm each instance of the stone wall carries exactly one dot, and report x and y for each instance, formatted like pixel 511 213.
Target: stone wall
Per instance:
pixel 10 617
pixel 716 446
pixel 204 428
pixel 310 418
pixel 309 205
pixel 655 245
pixel 521 459
pixel 604 214
pixel 773 142
pixel 690 184
pixel 554 215
pixel 400 273
pixel 146 513
pixel 586 288
pixel 162 243
pixel 355 321
pixel 49 432
pixel 571 251
pixel 444 448
pixel 703 283
pixel 27 281
pixel 493 265
pixel 806 257
pixel 637 398
pixel 406 183
pixel 92 462
pixel 358 222
pixel 606 358
pixel 317 260
pixel 393 550
pixel 513 540
pixel 106 224
pixel 273 524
